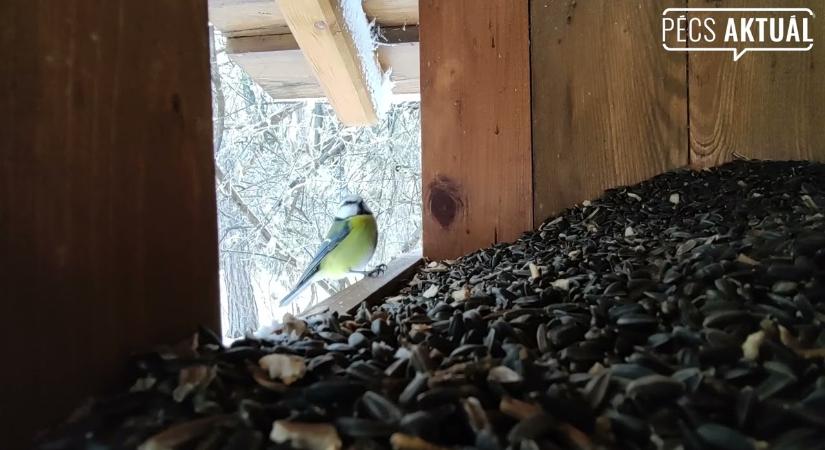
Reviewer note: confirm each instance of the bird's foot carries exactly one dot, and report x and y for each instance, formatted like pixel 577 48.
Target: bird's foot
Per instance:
pixel 377 271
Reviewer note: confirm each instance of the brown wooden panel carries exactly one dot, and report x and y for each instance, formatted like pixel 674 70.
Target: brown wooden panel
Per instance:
pixel 766 105
pixel 107 199
pixel 609 104
pixel 475 124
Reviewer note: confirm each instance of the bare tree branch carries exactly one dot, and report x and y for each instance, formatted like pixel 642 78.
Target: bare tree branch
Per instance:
pixel 280 171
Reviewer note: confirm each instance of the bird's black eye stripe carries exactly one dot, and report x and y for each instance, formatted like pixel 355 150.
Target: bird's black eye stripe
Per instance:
pixel 351 202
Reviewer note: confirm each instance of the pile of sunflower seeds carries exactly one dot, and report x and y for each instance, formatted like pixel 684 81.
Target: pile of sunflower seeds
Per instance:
pixel 686 312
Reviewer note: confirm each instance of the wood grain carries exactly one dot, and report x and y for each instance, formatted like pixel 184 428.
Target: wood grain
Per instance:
pixel 475 124
pixel 371 290
pixel 107 198
pixel 609 104
pixel 277 42
pixel 767 105
pixel 351 79
pixel 247 17
pixel 260 17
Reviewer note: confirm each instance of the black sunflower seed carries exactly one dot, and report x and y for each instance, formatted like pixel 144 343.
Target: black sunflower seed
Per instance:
pixel 683 312
pixel 721 437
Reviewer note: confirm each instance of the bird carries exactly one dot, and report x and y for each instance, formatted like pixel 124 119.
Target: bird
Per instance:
pixel 347 249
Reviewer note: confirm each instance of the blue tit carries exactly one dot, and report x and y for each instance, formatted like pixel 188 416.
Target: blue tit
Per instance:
pixel 348 247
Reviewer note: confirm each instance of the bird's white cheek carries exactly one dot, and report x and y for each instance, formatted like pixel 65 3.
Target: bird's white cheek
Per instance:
pixel 347 211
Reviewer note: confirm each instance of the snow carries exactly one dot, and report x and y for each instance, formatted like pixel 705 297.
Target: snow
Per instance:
pixel 378 83
pixel 274 170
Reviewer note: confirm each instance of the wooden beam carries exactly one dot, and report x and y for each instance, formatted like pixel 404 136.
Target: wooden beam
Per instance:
pixel 609 106
pixel 475 124
pixel 275 63
pixel 392 12
pixel 262 17
pixel 108 230
pixel 286 75
pixel 247 17
pixel 371 290
pixel 334 36
pixel 278 42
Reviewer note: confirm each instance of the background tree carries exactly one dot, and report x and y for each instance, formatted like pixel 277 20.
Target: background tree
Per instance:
pixel 281 171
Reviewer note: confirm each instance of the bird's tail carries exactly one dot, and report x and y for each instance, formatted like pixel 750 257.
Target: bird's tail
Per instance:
pixel 288 298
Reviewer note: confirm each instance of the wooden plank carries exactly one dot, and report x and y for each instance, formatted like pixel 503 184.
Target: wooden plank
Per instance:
pixel 392 12
pixel 261 43
pixel 767 105
pixel 107 197
pixel 371 290
pixel 330 33
pixel 609 104
pixel 287 75
pixel 278 42
pixel 262 17
pixel 475 119
pixel 247 17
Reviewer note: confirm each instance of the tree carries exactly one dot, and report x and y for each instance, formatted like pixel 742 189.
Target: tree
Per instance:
pixel 281 170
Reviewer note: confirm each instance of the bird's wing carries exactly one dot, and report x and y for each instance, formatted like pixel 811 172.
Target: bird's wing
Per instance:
pixel 338 231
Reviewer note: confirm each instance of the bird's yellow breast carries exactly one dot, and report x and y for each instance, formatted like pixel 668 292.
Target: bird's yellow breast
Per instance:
pixel 355 251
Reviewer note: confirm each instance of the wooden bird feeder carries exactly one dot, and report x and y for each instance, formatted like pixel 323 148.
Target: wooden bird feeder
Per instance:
pixel 108 230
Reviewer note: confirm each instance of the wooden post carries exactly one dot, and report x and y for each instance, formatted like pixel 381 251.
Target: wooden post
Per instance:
pixel 108 240
pixel 475 124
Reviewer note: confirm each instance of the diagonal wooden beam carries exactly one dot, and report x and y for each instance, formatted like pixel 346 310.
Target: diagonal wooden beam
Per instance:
pixel 334 36
pixel 371 290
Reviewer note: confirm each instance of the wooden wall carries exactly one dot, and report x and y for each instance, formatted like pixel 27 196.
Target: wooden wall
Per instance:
pixel 764 106
pixel 107 197
pixel 611 107
pixel 609 104
pixel 475 124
